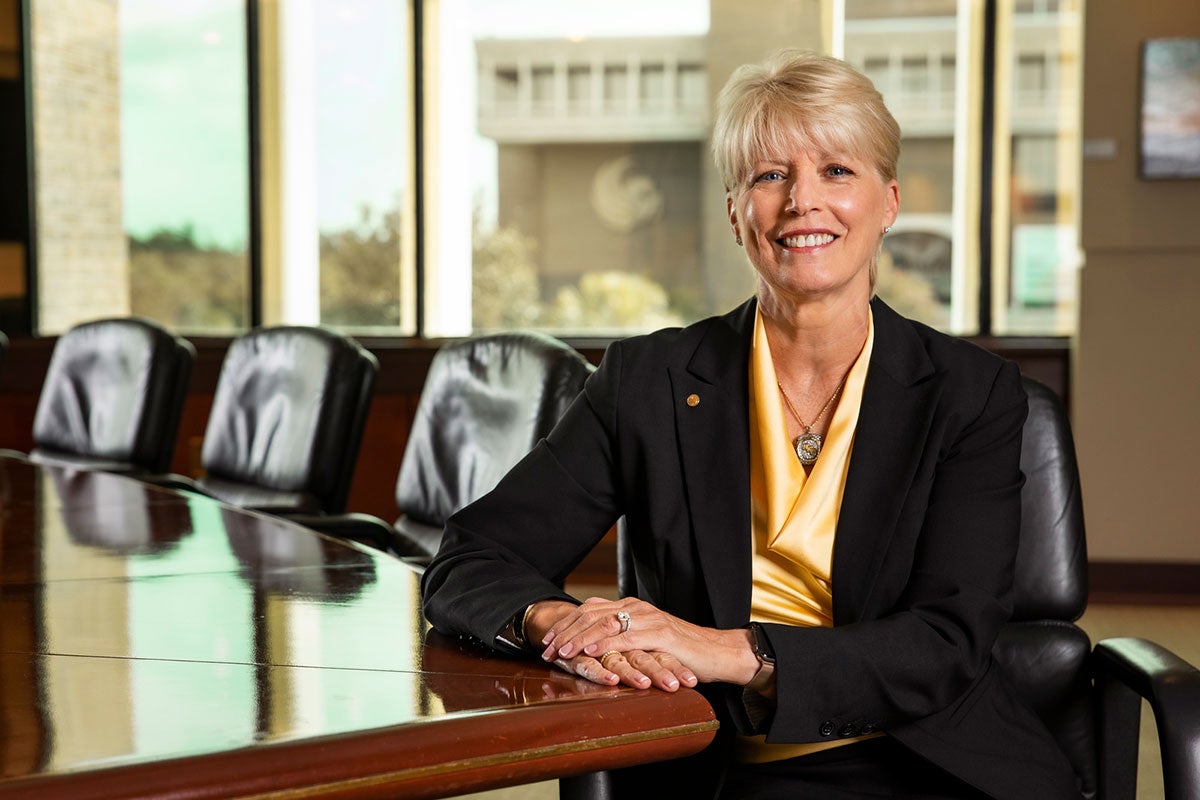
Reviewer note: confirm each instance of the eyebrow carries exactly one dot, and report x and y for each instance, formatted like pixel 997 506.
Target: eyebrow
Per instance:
pixel 820 157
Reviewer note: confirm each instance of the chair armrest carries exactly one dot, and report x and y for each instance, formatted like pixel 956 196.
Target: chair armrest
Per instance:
pixel 1127 670
pixel 172 480
pixel 362 528
pixel 81 463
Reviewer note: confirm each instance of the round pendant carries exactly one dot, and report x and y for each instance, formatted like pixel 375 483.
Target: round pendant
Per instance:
pixel 808 447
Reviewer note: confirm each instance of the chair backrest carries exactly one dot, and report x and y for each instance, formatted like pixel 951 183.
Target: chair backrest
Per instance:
pixel 287 419
pixel 1043 653
pixel 485 403
pixel 113 395
pixel 1051 574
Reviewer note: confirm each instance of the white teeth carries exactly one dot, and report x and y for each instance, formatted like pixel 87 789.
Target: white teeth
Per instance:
pixel 811 240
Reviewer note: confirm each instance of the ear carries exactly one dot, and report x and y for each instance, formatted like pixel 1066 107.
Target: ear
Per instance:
pixel 891 203
pixel 731 210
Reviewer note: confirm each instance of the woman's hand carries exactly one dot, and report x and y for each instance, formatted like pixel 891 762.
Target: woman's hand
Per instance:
pixel 652 646
pixel 635 668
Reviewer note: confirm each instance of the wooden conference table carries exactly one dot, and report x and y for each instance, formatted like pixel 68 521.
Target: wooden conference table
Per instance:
pixel 157 644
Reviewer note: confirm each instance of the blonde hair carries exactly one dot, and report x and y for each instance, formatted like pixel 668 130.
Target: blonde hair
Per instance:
pixel 798 97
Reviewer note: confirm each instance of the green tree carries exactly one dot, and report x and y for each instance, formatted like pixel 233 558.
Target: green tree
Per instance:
pixel 505 291
pixel 612 301
pixel 360 272
pixel 185 286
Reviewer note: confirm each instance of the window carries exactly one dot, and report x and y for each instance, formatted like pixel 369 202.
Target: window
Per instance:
pixel 140 122
pixel 927 270
pixel 565 176
pixel 1036 253
pixel 593 205
pixel 581 184
pixel 338 204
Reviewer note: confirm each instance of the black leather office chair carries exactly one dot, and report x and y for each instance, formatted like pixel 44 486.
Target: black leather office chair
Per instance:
pixel 287 421
pixel 1090 699
pixel 112 397
pixel 485 403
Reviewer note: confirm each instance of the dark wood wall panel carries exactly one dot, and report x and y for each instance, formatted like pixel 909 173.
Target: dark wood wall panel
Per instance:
pixel 402 368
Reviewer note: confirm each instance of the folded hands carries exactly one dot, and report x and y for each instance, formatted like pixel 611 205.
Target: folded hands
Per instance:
pixel 646 648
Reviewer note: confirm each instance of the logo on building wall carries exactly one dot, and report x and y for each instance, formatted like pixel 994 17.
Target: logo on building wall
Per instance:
pixel 624 199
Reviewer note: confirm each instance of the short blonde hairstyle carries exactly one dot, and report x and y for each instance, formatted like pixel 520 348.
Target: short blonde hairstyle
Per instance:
pixel 801 98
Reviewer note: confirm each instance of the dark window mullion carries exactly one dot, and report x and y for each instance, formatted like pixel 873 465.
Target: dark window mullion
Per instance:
pixel 418 73
pixel 254 158
pixel 986 171
pixel 31 237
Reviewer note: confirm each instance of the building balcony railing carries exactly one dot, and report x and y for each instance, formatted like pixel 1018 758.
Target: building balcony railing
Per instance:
pixel 594 90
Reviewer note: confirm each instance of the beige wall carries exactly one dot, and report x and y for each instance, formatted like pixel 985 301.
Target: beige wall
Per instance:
pixel 1136 386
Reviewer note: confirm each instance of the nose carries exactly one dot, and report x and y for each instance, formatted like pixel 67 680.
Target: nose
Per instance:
pixel 803 194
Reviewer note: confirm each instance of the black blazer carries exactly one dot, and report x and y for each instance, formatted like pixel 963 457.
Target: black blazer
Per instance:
pixel 923 557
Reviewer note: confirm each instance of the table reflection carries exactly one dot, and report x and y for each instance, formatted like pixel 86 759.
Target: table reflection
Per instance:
pixel 139 625
pixel 126 609
pixel 512 682
pixel 282 558
pixel 137 523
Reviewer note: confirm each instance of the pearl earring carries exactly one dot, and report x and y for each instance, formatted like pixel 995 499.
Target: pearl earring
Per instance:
pixel 887 229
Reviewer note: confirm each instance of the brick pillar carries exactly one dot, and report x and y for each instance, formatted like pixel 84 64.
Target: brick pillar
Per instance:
pixel 83 256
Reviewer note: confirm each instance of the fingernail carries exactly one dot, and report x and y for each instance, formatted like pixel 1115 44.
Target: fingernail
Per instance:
pixel 591 649
pixel 548 654
pixel 673 684
pixel 565 652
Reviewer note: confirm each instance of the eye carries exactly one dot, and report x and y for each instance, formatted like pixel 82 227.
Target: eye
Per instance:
pixel 770 176
pixel 838 171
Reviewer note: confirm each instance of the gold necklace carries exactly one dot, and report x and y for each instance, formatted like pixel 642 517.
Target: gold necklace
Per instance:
pixel 808 444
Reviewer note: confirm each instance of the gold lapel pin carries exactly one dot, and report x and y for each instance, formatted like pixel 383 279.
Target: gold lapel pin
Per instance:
pixel 693 400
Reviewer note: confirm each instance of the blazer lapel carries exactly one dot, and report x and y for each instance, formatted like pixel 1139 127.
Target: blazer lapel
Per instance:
pixel 897 409
pixel 712 426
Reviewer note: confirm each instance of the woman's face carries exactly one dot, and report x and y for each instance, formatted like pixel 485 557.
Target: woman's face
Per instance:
pixel 811 221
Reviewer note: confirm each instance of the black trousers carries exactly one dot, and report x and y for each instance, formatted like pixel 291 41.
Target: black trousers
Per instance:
pixel 875 768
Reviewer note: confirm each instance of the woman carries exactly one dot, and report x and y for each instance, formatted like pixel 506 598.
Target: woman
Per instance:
pixel 811 461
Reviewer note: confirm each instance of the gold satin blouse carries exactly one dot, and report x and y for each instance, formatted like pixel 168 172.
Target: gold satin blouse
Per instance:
pixel 794 514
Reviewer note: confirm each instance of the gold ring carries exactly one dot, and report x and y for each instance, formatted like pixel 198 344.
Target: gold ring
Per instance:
pixel 606 655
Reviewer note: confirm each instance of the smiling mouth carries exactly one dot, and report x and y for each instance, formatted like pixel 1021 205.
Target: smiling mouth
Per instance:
pixel 811 240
